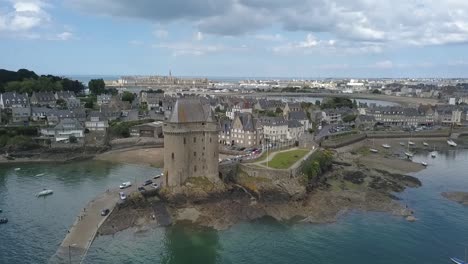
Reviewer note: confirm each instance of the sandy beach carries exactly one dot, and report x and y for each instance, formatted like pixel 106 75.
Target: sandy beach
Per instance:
pixel 140 156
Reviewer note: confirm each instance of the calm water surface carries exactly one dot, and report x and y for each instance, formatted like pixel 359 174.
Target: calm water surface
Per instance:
pixel 37 226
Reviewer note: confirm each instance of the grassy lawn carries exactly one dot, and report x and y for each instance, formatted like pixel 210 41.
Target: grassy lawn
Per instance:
pixel 286 159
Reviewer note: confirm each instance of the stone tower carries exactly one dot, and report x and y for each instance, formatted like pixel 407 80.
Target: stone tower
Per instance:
pixel 190 143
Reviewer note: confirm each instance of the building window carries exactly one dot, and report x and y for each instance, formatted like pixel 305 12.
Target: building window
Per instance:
pixel 194 154
pixel 194 140
pixel 195 168
pixel 185 141
pixel 203 154
pixel 210 140
pixel 172 155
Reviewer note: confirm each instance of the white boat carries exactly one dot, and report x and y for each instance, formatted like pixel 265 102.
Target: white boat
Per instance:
pixel 425 144
pixel 424 163
pixel 40 174
pixel 17 169
pixel 45 193
pixel 409 154
pixel 411 143
pixel 458 261
pixel 402 143
pixel 433 154
pixel 451 143
pixel 374 150
pixel 386 146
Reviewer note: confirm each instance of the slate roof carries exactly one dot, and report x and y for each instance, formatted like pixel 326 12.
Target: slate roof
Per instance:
pixel 191 110
pixel 294 123
pixel 299 115
pixel 69 124
pixel 247 121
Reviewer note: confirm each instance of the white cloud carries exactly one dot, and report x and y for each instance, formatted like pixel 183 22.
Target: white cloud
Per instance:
pixel 65 35
pixel 161 33
pixel 24 15
pixel 391 22
pixel 267 37
pixel 198 36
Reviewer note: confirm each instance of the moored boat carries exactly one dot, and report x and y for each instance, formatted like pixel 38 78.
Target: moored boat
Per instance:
pixel 451 143
pixel 409 154
pixel 387 146
pixel 433 154
pixel 425 144
pixel 458 261
pixel 411 143
pixel 374 150
pixel 424 163
pixel 44 193
pixel 402 143
pixel 3 220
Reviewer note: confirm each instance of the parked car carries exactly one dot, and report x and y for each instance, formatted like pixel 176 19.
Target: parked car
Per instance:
pixel 147 182
pixel 105 212
pixel 155 185
pixel 141 189
pixel 123 196
pixel 125 185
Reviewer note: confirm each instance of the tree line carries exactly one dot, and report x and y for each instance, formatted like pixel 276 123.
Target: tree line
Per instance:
pixel 26 81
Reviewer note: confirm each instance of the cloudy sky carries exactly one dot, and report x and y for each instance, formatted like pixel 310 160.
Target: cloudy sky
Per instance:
pixel 281 38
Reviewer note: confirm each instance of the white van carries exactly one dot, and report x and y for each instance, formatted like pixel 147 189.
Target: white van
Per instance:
pixel 125 185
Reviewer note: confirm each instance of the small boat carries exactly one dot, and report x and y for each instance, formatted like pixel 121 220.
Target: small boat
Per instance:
pixel 425 144
pixel 386 146
pixel 1 210
pixel 45 193
pixel 374 150
pixel 409 154
pixel 451 143
pixel 3 220
pixel 40 174
pixel 424 163
pixel 458 261
pixel 402 143
pixel 433 154
pixel 411 143
pixel 17 169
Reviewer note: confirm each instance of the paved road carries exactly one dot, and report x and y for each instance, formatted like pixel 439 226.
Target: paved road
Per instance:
pixel 83 232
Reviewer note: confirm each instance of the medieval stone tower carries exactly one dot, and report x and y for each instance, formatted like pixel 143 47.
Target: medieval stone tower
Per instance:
pixel 190 142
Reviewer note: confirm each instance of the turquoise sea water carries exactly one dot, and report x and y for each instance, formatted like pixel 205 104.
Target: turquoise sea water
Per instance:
pixel 37 226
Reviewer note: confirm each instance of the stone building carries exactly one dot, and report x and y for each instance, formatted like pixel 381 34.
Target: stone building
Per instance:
pixel 190 143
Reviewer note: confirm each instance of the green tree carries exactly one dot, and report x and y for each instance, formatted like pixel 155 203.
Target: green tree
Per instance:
pixel 73 139
pixel 375 91
pixel 278 110
pixel 62 104
pixel 349 118
pixel 128 96
pixel 317 102
pixel 97 86
pixel 89 104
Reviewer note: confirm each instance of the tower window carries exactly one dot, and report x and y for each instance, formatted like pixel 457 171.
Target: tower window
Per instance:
pixel 210 140
pixel 172 155
pixel 185 141
pixel 194 154
pixel 195 168
pixel 194 140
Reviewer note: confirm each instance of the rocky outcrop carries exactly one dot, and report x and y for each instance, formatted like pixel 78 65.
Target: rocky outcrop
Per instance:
pixel 459 197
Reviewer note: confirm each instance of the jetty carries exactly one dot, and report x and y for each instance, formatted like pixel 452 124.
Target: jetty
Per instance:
pixel 82 233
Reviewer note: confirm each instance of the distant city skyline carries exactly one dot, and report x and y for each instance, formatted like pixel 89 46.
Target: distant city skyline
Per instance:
pixel 235 38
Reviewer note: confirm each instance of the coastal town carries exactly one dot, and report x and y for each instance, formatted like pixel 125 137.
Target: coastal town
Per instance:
pixel 234 154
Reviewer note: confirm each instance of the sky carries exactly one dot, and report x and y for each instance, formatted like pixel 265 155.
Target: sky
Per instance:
pixel 251 38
